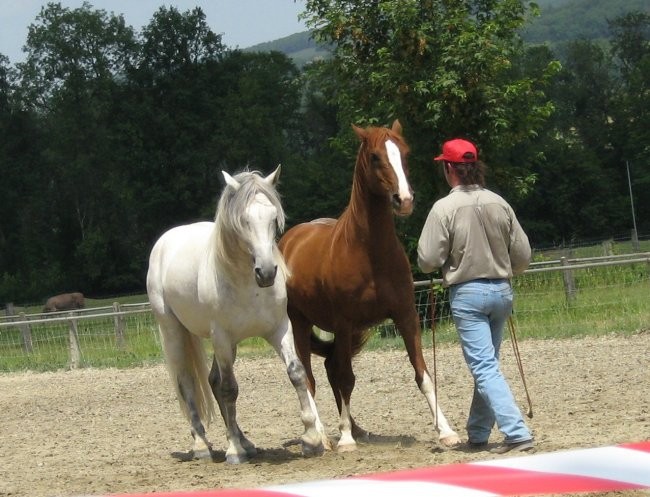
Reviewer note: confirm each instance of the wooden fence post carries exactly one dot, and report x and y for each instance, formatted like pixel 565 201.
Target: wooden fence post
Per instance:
pixel 635 241
pixel 569 281
pixel 26 333
pixel 75 351
pixel 608 247
pixel 118 319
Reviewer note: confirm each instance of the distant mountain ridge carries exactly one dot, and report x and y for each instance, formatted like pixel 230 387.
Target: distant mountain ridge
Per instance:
pixel 560 21
pixel 566 20
pixel 300 47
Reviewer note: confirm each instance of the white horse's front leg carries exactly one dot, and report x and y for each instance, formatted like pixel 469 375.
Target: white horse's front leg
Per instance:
pixel 314 439
pixel 225 389
pixel 240 449
pixel 448 437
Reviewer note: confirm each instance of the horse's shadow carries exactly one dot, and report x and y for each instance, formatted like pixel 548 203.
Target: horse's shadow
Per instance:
pixel 280 455
pixel 368 439
pixel 376 439
pixel 275 455
pixel 403 441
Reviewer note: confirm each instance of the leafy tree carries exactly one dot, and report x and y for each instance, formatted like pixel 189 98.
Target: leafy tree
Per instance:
pixel 319 179
pixel 4 85
pixel 200 110
pixel 631 48
pixel 582 183
pixel 443 68
pixel 173 41
pixel 75 59
pixel 167 119
pixel 24 230
pixel 130 138
pixel 67 47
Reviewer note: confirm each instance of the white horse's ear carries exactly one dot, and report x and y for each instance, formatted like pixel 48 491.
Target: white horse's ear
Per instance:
pixel 230 180
pixel 273 178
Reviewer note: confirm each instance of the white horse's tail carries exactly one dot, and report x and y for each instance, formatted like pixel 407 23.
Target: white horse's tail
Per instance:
pixel 194 364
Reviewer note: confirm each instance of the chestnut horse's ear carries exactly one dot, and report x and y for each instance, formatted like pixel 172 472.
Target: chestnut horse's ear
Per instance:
pixel 397 127
pixel 360 132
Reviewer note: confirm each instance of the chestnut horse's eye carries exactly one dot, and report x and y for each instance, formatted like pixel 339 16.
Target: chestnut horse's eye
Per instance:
pixel 375 160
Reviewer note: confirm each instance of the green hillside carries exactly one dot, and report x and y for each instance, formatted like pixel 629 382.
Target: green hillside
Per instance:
pixel 300 47
pixel 560 21
pixel 565 20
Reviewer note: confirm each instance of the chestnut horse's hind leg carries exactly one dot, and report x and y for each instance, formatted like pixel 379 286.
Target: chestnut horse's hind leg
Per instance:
pixel 225 389
pixel 409 328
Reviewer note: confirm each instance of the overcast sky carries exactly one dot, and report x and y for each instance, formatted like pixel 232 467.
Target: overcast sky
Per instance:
pixel 242 23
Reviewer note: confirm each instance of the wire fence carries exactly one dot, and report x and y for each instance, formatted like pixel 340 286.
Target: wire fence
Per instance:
pixel 118 336
pixel 554 298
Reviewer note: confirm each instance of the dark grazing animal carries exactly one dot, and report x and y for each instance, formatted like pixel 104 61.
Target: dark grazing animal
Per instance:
pixel 65 302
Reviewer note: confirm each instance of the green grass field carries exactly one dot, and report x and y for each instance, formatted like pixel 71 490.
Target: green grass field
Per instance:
pixel 611 299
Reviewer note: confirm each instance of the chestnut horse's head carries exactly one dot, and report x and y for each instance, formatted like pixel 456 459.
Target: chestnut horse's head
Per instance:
pixel 383 161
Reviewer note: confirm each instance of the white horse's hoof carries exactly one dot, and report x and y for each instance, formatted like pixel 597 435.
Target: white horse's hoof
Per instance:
pixel 237 458
pixel 311 450
pixel 201 453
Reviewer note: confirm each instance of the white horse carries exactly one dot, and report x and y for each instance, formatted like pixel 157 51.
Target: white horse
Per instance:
pixel 226 281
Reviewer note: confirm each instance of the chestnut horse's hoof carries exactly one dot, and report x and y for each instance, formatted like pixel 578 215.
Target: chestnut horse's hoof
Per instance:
pixel 327 443
pixel 346 443
pixel 450 442
pixel 346 448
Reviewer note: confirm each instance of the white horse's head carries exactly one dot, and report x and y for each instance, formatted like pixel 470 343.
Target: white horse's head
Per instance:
pixel 250 212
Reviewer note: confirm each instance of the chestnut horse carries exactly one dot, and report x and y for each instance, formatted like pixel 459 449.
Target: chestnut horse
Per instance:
pixel 351 273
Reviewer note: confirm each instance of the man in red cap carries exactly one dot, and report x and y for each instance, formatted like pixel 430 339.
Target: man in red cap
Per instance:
pixel 474 237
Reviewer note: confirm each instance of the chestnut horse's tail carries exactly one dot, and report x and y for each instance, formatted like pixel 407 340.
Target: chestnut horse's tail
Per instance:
pixel 325 348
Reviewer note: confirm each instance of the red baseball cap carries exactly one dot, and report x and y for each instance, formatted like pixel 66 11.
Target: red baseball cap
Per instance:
pixel 458 150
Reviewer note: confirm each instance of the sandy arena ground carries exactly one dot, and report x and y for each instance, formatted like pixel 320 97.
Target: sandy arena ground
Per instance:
pixel 92 432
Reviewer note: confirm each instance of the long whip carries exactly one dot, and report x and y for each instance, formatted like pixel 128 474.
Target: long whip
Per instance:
pixel 515 348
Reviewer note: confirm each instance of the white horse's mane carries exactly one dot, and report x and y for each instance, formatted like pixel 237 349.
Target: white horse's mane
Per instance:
pixel 230 231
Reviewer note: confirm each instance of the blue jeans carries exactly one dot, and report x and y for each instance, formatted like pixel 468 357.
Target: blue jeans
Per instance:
pixel 480 309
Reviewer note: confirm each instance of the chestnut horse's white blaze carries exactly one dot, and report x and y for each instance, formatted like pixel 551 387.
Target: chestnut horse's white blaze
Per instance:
pixel 395 159
pixel 226 281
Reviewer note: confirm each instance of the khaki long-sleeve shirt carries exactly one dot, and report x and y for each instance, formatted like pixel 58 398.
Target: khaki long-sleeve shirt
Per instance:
pixel 473 233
